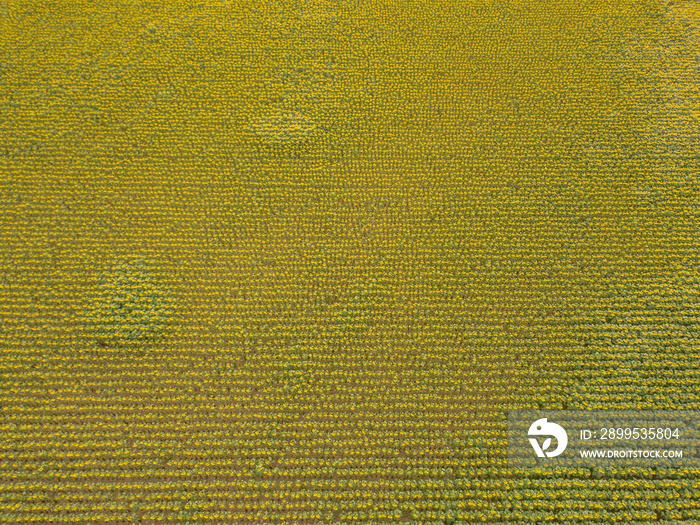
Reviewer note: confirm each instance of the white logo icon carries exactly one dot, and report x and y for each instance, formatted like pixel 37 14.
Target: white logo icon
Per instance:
pixel 542 428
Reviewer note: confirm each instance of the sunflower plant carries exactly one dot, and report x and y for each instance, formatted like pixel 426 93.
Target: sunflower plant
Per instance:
pixel 130 304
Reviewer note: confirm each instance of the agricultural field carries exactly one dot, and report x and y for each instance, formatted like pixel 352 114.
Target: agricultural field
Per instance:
pixel 287 261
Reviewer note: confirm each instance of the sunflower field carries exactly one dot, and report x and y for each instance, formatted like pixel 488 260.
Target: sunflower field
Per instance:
pixel 293 261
